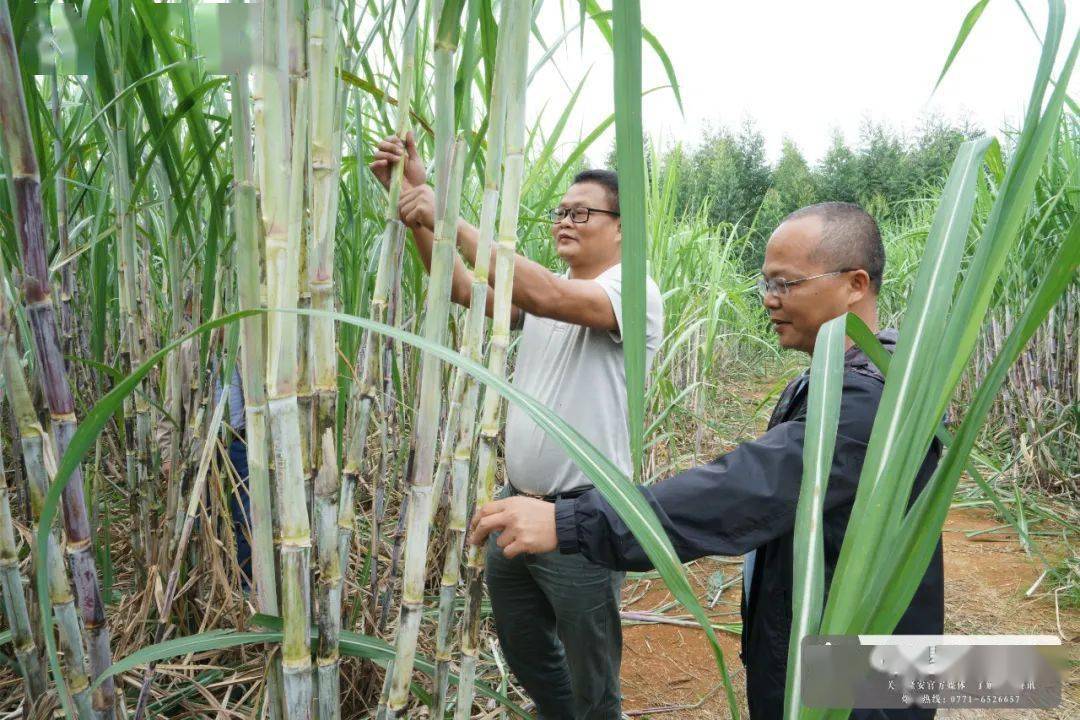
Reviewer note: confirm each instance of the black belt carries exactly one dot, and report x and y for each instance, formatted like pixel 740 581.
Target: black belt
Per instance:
pixel 568 495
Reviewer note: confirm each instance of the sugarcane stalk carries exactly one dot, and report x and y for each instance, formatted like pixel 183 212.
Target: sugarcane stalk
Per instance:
pixel 327 486
pixel 33 441
pixel 22 637
pixel 386 435
pixel 136 409
pixel 175 390
pixel 29 227
pixel 281 174
pixel 466 390
pixel 178 552
pixel 253 380
pixel 326 115
pixel 437 309
pixel 370 351
pixel 67 272
pixel 418 521
pixel 516 64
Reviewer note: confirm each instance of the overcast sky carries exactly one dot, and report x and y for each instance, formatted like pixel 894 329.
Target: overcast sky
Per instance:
pixel 802 69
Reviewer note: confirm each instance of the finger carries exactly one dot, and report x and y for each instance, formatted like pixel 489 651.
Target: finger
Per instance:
pixel 489 508
pixel 388 156
pixel 484 526
pixel 410 146
pixel 389 147
pixel 514 549
pixel 506 538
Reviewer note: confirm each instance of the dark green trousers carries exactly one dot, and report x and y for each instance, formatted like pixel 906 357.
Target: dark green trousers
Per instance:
pixel 557 618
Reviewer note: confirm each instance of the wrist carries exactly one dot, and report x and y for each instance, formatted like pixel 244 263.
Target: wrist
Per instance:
pixel 566 536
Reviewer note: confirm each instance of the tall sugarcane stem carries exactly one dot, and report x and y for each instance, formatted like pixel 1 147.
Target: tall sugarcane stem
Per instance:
pixel 26 193
pixel 38 470
pixel 450 167
pixel 252 369
pixel 419 517
pixel 325 148
pixel 371 344
pixel 459 459
pixel 22 637
pixel 504 278
pixel 281 173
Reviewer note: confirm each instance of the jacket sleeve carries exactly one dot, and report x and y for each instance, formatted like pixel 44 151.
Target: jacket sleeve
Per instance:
pixel 738 502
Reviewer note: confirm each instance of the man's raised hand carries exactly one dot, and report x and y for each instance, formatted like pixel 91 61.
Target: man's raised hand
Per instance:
pixel 393 150
pixel 417 207
pixel 526 525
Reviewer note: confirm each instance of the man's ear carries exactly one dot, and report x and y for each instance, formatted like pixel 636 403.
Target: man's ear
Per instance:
pixel 859 285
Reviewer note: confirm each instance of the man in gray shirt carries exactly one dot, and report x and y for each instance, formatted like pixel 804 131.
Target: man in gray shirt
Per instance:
pixel 557 616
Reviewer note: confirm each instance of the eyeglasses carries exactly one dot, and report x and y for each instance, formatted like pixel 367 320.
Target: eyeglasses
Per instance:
pixel 577 215
pixel 779 286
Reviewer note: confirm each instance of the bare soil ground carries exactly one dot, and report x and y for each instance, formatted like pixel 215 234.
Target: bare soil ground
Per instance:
pixel 669 672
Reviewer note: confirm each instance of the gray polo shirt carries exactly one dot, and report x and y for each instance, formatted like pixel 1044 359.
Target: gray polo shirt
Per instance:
pixel 578 372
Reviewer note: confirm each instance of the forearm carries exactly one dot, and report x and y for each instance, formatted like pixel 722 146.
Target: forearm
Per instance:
pixel 533 288
pixel 460 290
pixel 589 524
pixel 738 502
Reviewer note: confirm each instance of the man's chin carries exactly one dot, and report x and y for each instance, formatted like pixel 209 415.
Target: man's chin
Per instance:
pixel 786 337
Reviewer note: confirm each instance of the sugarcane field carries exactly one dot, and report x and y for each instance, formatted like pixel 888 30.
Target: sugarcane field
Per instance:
pixel 565 359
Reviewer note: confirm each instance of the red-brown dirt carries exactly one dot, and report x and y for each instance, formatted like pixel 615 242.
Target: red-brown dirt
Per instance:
pixel 669 671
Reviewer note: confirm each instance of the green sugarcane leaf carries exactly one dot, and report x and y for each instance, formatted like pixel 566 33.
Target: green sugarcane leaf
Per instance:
pixel 965 29
pixel 539 165
pixel 869 344
pixel 81 443
pixel 449 26
pixel 372 648
pixel 848 610
pixel 919 337
pixel 629 144
pixel 602 18
pixel 1011 205
pixel 376 92
pixel 201 642
pixel 616 488
pixel 922 524
pixel 822 417
pixel 578 152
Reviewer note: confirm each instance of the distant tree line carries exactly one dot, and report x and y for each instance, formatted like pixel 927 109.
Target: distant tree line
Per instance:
pixel 728 176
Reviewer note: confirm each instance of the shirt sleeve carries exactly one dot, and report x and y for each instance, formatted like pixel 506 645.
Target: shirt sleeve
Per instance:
pixel 736 503
pixel 654 319
pixel 611 281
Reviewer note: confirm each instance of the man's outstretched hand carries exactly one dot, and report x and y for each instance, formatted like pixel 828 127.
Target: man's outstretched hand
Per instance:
pixel 527 525
pixel 393 150
pixel 417 207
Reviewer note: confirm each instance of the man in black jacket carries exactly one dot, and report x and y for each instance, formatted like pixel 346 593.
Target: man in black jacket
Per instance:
pixel 823 261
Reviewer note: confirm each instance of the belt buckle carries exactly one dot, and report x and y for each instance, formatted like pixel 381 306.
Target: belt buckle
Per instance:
pixel 529 495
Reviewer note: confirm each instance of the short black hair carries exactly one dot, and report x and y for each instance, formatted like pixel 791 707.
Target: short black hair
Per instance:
pixel 607 179
pixel 850 238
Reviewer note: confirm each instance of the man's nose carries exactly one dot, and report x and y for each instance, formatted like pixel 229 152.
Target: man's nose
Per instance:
pixel 771 300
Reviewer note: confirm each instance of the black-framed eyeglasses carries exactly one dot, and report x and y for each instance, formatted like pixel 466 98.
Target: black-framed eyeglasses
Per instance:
pixel 779 286
pixel 577 215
